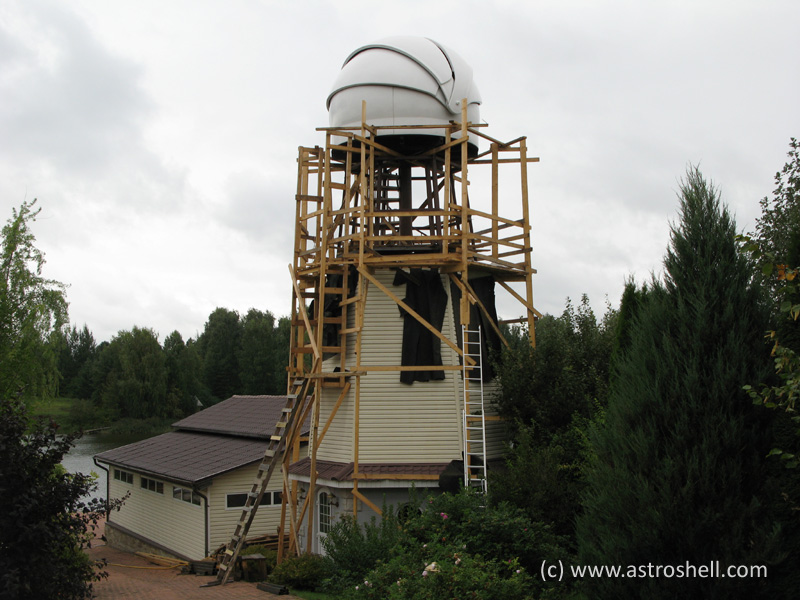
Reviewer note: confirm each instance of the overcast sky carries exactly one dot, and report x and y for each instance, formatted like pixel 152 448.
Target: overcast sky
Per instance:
pixel 160 137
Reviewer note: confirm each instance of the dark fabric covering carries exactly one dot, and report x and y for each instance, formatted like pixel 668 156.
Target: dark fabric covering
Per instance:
pixel 490 341
pixel 332 308
pixel 427 296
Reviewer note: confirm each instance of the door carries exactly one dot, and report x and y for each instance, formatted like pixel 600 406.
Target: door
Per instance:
pixel 323 520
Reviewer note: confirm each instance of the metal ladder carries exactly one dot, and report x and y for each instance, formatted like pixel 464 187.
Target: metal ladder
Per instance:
pixel 474 413
pixel 298 392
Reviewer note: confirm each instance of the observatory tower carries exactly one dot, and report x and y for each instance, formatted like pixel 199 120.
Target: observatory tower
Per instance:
pixel 401 241
pixel 395 255
pixel 409 219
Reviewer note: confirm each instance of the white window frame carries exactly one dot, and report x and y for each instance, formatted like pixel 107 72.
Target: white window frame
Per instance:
pixel 158 485
pixel 270 498
pixel 325 515
pixel 123 476
pixel 187 495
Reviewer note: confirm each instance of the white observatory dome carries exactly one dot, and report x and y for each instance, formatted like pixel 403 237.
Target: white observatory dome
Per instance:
pixel 405 80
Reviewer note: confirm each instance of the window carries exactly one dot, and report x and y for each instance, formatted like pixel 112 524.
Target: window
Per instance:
pixel 324 513
pixel 406 511
pixel 185 494
pixel 235 500
pixel 152 485
pixel 123 476
pixel 272 498
pixel 239 500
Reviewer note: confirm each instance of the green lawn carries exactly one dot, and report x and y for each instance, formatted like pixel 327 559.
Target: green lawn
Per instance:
pixel 56 408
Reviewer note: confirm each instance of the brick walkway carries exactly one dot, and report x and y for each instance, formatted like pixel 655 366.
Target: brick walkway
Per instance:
pixel 141 580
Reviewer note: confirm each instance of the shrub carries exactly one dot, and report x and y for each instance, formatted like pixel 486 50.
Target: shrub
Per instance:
pixel 493 531
pixel 437 571
pixel 479 552
pixel 44 524
pixel 354 549
pixel 306 571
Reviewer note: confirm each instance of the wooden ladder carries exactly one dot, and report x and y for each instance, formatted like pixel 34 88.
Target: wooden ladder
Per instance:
pixel 299 391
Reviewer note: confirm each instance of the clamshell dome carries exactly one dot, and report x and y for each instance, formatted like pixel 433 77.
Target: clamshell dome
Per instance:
pixel 405 81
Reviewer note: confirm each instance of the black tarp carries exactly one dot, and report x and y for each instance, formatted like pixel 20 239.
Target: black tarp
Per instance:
pixel 426 295
pixel 490 341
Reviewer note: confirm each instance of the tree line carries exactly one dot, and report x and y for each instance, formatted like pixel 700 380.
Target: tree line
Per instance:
pixel 135 376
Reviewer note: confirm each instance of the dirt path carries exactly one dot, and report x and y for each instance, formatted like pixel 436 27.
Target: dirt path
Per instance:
pixel 131 577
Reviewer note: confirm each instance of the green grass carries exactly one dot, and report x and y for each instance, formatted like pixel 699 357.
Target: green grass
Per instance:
pixel 55 408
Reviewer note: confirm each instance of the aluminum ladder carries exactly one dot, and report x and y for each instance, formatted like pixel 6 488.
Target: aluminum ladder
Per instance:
pixel 295 400
pixel 474 414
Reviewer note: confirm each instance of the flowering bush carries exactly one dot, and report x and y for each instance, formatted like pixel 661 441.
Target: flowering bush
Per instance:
pixel 355 548
pixel 459 548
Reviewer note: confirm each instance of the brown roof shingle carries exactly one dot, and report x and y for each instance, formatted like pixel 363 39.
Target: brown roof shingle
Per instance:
pixel 185 456
pixel 220 438
pixel 337 471
pixel 244 416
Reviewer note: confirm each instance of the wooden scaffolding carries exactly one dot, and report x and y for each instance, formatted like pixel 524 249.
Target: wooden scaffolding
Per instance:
pixel 356 215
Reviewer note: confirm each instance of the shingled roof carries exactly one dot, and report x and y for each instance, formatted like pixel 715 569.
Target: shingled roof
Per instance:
pixel 220 438
pixel 243 416
pixel 186 457
pixel 336 471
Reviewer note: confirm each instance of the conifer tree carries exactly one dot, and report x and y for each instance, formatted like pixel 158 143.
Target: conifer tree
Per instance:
pixel 678 474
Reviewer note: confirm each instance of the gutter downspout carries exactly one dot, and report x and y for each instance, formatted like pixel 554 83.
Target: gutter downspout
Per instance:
pixel 108 486
pixel 205 521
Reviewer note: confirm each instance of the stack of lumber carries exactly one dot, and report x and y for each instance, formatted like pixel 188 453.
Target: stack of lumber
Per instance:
pixel 203 567
pixel 270 541
pixel 163 561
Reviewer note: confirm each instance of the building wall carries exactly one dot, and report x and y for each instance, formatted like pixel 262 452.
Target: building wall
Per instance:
pixel 393 498
pixel 223 520
pixel 399 422
pixel 171 523
pixel 179 526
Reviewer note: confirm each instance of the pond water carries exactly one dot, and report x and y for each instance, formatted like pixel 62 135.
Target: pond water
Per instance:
pixel 81 458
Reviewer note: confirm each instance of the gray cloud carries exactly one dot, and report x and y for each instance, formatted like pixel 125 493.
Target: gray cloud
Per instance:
pixel 66 100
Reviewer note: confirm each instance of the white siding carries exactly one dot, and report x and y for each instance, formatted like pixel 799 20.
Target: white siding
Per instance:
pixel 174 524
pixel 223 520
pixel 399 422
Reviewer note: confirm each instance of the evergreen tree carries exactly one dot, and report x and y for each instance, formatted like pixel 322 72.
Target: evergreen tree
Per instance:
pixel 549 393
pixel 256 357
pixel 678 471
pixel 220 345
pixel 184 385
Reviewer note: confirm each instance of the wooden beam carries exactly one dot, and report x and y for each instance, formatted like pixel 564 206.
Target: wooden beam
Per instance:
pixel 477 301
pixel 399 476
pixel 302 308
pixel 522 300
pixel 399 368
pixel 343 393
pixel 367 501
pixel 409 310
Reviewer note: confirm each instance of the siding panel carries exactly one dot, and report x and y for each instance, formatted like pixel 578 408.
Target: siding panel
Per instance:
pixel 399 422
pixel 174 524
pixel 223 520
